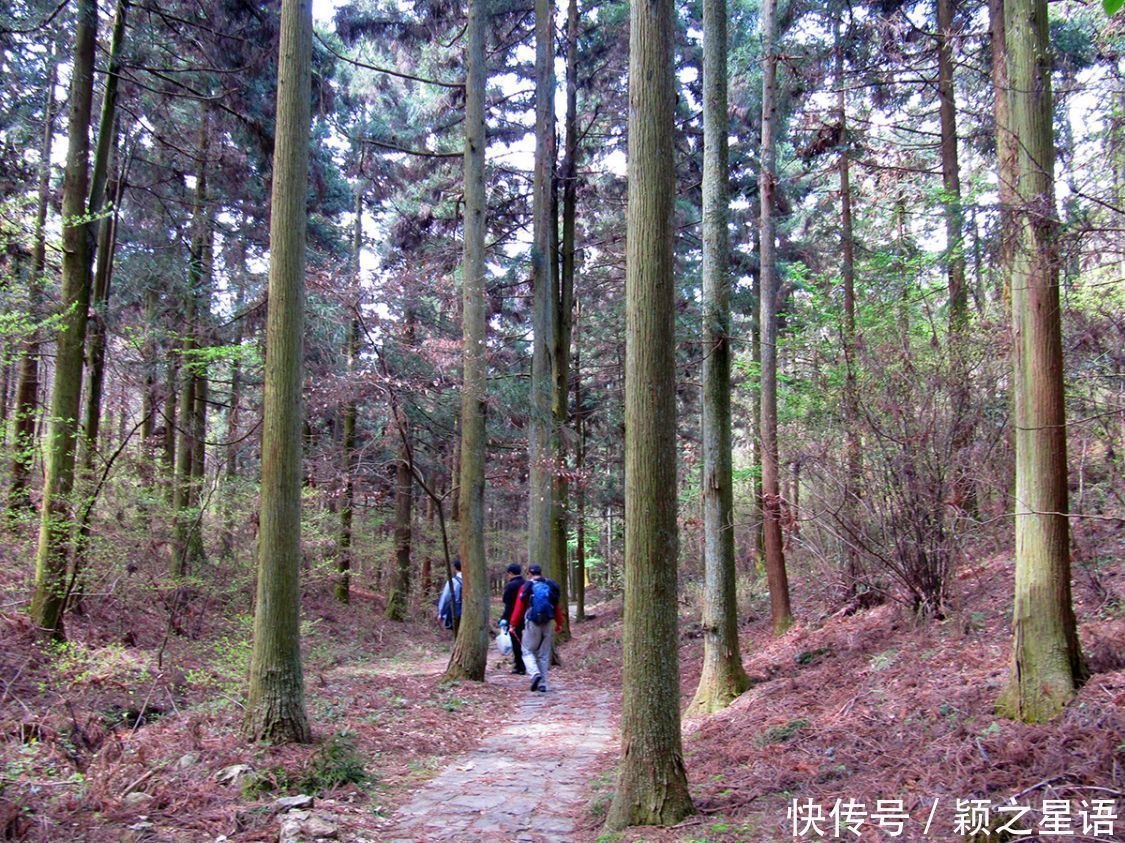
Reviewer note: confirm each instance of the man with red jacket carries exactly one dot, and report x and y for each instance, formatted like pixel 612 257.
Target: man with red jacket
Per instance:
pixel 538 604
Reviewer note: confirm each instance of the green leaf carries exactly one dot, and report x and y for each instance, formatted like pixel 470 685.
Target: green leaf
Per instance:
pixel 1112 7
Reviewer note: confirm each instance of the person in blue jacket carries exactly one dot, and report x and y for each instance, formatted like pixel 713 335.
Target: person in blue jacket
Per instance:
pixel 449 611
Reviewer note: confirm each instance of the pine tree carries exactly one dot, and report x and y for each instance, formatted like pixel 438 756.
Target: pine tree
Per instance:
pixel 723 677
pixel 470 652
pixel 1047 662
pixel 77 264
pixel 652 783
pixel 275 705
pixel 780 611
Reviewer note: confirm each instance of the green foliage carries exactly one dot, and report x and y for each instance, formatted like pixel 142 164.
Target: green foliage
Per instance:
pixel 335 764
pixel 882 661
pixel 1112 7
pixel 809 656
pixel 783 733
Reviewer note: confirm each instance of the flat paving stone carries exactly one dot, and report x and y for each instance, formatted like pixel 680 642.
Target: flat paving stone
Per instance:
pixel 501 790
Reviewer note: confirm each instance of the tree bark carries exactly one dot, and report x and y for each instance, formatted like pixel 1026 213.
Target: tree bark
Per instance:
pixel 652 783
pixel 542 427
pixel 580 469
pixel 275 705
pixel 950 171
pixel 564 320
pixel 234 409
pixel 470 651
pixel 27 386
pixel 853 456
pixel 351 352
pixel 55 526
pixel 962 433
pixel 1046 666
pixel 399 596
pixel 106 242
pixel 1006 151
pixel 187 544
pixel 780 612
pixel 723 677
pixel 168 450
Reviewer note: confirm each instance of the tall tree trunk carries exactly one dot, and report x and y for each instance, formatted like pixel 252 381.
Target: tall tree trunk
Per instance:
pixel 148 396
pixel 853 456
pixel 399 596
pixel 6 380
pixel 579 469
pixel 780 611
pixel 723 677
pixel 98 335
pixel 187 545
pixel 275 705
pixel 351 352
pixel 55 524
pixel 103 185
pixel 652 783
pixel 962 432
pixel 470 651
pixel 1046 665
pixel 758 530
pixel 234 409
pixel 564 318
pixel 542 429
pixel 1006 152
pixel 27 388
pixel 168 450
pixel 196 554
pixel 950 171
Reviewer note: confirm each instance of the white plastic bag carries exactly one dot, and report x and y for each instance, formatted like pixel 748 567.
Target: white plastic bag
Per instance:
pixel 504 642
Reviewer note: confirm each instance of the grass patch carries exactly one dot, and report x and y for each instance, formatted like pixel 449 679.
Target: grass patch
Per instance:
pixel 783 733
pixel 335 764
pixel 809 656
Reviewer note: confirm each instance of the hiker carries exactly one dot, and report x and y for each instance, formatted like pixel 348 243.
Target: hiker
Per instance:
pixel 538 604
pixel 449 611
pixel 511 592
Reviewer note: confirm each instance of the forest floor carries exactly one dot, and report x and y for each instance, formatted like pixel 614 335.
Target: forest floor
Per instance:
pixel 130 732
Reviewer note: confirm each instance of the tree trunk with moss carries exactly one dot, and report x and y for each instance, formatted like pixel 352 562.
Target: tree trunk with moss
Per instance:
pixel 780 612
pixel 723 677
pixel 470 651
pixel 652 783
pixel 1046 666
pixel 275 705
pixel 56 522
pixel 103 186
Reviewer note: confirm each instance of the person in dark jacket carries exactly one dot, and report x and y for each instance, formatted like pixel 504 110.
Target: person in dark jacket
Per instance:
pixel 511 592
pixel 539 602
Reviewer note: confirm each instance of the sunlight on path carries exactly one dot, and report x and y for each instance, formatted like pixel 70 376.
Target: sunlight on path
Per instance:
pixel 526 783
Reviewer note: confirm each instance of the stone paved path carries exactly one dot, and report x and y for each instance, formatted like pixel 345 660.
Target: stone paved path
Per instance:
pixel 501 790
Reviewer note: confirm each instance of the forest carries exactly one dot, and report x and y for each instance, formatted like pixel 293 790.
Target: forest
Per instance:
pixel 786 338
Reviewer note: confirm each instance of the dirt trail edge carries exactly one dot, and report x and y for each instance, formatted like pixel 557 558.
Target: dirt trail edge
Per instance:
pixel 529 782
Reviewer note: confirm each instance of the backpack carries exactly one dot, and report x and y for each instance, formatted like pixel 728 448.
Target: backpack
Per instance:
pixel 544 598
